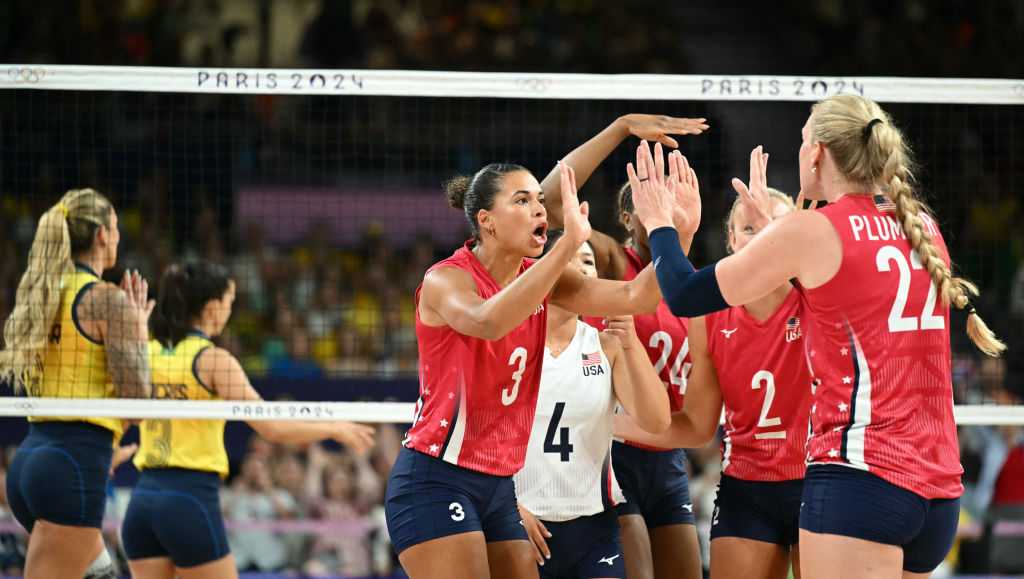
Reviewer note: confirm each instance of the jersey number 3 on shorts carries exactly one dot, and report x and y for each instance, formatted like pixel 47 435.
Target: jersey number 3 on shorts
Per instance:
pixel 457 513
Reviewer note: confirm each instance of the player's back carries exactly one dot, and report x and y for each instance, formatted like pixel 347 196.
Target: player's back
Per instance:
pixel 181 443
pixel 879 344
pixel 766 390
pixel 477 397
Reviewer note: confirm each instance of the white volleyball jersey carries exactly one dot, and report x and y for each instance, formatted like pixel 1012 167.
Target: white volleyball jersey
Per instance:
pixel 568 471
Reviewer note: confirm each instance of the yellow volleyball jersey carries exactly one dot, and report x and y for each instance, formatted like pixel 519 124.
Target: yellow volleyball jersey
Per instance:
pixel 74 365
pixel 181 443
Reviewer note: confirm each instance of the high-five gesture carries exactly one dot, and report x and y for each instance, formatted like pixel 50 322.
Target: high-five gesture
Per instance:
pixel 682 182
pixel 658 127
pixel 755 195
pixel 655 204
pixel 574 214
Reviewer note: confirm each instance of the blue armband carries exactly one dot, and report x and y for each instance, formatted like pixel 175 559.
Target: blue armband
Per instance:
pixel 688 292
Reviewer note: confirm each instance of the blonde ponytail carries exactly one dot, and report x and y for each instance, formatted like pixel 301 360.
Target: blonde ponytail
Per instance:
pixel 869 150
pixel 67 227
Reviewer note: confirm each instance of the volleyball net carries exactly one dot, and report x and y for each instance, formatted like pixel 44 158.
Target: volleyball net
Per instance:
pixel 319 191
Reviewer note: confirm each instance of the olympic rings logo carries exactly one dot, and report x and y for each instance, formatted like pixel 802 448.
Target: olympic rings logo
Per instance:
pixel 534 84
pixel 26 75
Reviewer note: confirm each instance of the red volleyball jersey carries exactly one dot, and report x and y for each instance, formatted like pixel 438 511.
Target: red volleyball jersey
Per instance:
pixel 879 345
pixel 477 397
pixel 664 335
pixel 766 390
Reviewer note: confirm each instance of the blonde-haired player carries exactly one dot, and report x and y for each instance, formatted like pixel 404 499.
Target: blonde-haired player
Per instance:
pixel 881 493
pixel 71 336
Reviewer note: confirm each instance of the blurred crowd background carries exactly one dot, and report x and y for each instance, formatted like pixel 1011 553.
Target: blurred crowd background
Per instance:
pixel 327 210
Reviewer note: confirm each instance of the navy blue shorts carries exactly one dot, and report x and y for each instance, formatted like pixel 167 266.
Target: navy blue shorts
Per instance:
pixel 654 483
pixel 59 474
pixel 762 511
pixel 175 513
pixel 428 498
pixel 584 548
pixel 839 500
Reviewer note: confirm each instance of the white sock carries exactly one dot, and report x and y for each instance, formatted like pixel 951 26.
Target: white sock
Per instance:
pixel 101 565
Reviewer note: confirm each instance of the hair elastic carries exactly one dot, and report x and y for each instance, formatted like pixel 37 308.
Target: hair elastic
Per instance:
pixel 867 128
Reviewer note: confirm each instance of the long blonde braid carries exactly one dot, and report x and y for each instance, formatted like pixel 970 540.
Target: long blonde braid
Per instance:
pixel 868 149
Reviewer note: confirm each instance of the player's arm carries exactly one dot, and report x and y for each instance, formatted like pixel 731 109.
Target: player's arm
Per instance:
pixel 222 372
pixel 695 425
pixel 603 297
pixel 119 318
pixel 449 296
pixel 608 253
pixel 637 386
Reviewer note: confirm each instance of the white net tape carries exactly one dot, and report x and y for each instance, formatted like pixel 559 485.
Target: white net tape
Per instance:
pixel 508 85
pixel 393 412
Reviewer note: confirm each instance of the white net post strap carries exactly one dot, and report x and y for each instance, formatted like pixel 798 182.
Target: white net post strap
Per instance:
pixel 395 412
pixel 508 85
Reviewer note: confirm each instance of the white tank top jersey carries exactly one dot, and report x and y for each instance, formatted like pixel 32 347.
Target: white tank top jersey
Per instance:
pixel 568 472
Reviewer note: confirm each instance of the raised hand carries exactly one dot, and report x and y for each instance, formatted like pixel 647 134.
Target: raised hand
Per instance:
pixel 357 437
pixel 137 289
pixel 755 195
pixel 658 127
pixel 652 200
pixel 575 215
pixel 682 181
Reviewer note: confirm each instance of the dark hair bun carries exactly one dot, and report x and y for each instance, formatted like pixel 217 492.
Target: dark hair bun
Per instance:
pixel 456 188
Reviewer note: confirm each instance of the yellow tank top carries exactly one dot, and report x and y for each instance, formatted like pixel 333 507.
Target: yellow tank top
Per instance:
pixel 74 365
pixel 181 443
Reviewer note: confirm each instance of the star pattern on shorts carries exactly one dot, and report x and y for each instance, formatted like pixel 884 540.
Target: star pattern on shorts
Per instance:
pixel 434 448
pixel 451 395
pixel 844 351
pixel 843 406
pixel 444 423
pixel 833 453
pixel 847 380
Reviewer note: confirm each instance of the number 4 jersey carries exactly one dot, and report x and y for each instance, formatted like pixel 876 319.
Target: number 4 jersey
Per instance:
pixel 568 472
pixel 879 344
pixel 766 390
pixel 477 397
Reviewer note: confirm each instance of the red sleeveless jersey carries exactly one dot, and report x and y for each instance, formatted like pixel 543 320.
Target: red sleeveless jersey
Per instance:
pixel 477 397
pixel 766 389
pixel 878 342
pixel 665 338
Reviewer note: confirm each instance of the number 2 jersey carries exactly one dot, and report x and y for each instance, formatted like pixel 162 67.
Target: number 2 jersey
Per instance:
pixel 477 397
pixel 664 336
pixel 879 344
pixel 766 390
pixel 568 472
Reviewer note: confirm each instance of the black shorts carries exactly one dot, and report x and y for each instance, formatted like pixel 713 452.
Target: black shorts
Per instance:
pixel 428 498
pixel 59 474
pixel 840 500
pixel 584 548
pixel 175 513
pixel 762 511
pixel 654 483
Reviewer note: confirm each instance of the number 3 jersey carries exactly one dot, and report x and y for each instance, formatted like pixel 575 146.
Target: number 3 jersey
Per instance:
pixel 766 390
pixel 477 397
pixel 568 471
pixel 880 347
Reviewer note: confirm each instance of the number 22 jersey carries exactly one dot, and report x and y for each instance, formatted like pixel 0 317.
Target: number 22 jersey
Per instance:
pixel 878 341
pixel 477 397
